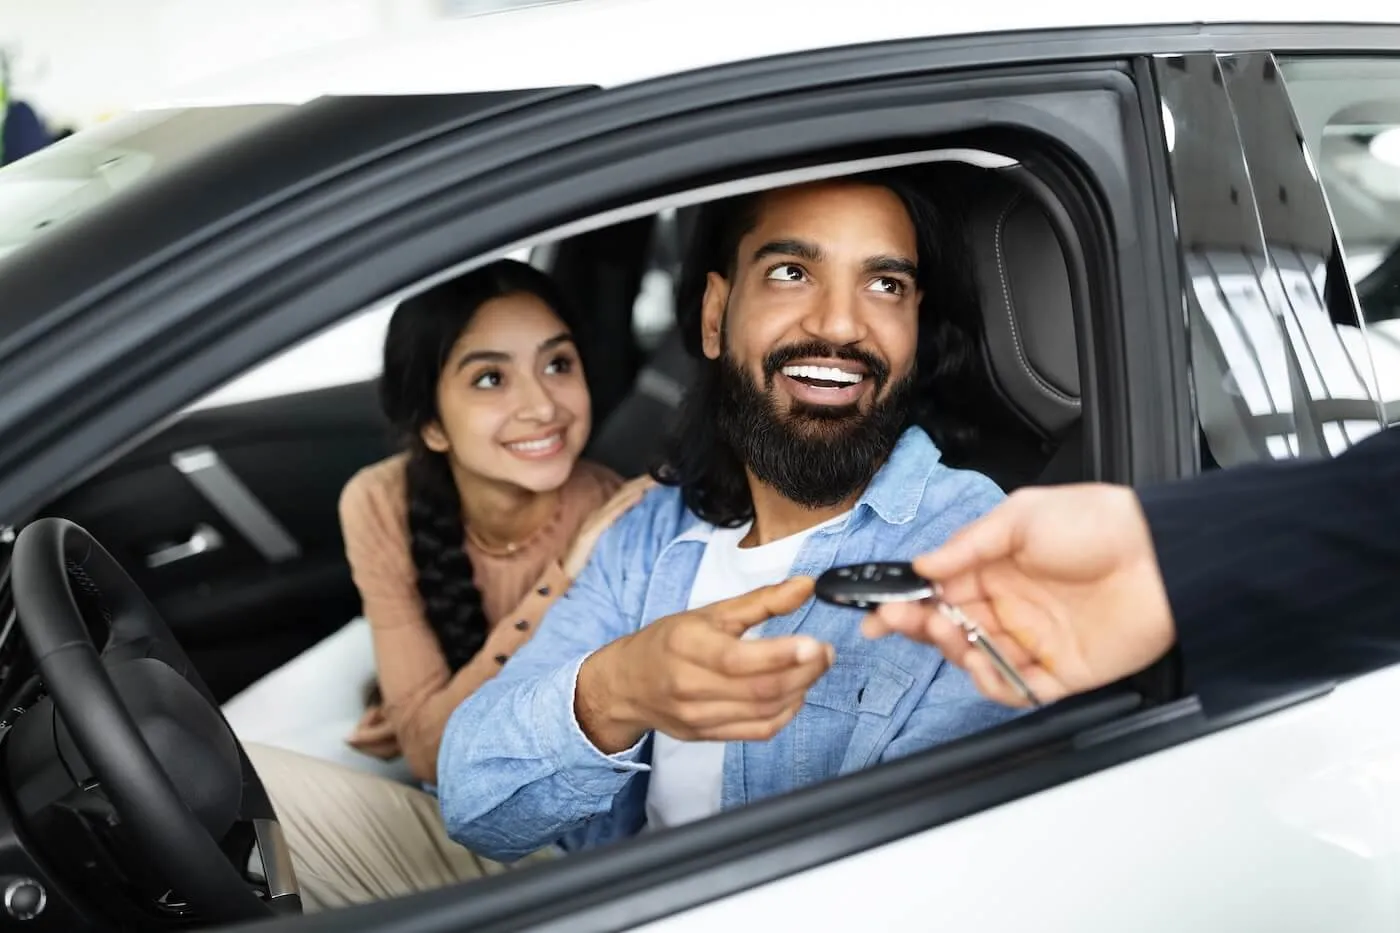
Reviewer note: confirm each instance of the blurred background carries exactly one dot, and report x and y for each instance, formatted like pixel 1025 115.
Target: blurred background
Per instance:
pixel 75 63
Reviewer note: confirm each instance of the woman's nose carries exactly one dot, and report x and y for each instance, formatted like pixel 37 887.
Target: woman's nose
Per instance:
pixel 538 404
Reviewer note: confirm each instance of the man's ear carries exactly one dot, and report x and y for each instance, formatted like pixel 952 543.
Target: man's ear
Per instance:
pixel 712 314
pixel 436 439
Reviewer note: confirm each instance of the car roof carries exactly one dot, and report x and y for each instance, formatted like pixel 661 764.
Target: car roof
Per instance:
pixel 613 42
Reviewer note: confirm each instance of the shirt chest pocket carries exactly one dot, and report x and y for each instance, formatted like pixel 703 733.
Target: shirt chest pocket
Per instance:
pixel 848 709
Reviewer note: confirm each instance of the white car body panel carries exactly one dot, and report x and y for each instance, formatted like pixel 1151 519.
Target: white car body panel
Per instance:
pixel 615 42
pixel 1288 823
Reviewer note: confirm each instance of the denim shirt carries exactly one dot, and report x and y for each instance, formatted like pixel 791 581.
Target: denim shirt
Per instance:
pixel 515 771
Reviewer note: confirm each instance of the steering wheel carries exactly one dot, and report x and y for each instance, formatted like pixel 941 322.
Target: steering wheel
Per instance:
pixel 140 690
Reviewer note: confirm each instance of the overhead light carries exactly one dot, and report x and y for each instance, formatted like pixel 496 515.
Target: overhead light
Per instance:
pixel 1385 146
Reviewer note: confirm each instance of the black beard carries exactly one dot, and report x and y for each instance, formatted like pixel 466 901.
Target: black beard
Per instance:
pixel 815 456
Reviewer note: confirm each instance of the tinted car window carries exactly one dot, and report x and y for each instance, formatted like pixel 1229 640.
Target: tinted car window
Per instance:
pixel 1349 112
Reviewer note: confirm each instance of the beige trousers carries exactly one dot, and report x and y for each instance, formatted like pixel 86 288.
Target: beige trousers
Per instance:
pixel 357 837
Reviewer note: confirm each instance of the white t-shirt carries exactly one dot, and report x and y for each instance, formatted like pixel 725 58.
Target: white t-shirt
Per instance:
pixel 687 777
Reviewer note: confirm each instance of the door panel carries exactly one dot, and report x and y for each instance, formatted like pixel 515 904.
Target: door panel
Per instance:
pixel 228 521
pixel 1287 823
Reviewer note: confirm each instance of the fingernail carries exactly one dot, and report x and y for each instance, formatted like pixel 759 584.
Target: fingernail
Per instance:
pixel 807 650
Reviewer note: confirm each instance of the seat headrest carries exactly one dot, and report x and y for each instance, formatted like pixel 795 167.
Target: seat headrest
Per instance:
pixel 1027 306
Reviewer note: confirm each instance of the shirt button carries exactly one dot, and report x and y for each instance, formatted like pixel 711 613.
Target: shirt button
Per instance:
pixel 501 659
pixel 522 625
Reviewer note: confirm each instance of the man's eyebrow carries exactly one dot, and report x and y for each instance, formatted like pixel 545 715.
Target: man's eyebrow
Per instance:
pixel 809 252
pixel 891 265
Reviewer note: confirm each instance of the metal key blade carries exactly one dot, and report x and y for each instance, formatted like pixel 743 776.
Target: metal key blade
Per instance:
pixel 977 637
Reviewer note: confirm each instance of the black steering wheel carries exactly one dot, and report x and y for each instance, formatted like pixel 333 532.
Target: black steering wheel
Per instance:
pixel 139 692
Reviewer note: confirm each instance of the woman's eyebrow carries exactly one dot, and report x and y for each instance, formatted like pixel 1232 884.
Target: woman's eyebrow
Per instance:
pixel 483 356
pixel 501 356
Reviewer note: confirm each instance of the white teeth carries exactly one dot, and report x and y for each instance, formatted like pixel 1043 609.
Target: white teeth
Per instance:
pixel 532 446
pixel 824 373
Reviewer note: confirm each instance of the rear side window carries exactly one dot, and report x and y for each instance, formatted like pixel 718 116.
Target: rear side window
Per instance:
pixel 1280 361
pixel 1349 113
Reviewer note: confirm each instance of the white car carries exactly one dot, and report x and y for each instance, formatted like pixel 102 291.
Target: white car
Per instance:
pixel 1186 226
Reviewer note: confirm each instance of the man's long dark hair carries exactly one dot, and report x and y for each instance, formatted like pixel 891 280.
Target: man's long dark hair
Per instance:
pixel 948 381
pixel 421 334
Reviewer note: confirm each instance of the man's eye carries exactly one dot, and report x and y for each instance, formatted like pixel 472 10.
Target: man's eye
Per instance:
pixel 787 272
pixel 888 285
pixel 487 380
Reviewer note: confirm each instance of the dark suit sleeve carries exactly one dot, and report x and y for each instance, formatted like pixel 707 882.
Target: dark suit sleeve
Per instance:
pixel 1284 572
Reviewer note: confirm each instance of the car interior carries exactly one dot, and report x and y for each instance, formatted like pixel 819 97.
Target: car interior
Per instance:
pixel 226 518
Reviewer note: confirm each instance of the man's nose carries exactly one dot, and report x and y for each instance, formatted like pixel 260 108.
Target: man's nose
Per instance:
pixel 836 318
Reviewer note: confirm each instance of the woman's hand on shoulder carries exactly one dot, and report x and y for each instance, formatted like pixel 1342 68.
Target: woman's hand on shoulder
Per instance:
pixel 586 538
pixel 374 735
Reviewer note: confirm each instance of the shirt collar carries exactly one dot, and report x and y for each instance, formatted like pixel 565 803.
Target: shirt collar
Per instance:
pixel 894 494
pixel 898 488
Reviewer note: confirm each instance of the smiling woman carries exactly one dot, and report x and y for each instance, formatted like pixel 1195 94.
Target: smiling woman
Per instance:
pixel 457 546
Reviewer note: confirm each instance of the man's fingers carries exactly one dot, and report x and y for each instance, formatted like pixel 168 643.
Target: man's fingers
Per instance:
pixel 993 537
pixel 754 730
pixel 748 657
pixel 903 618
pixel 704 717
pixel 989 681
pixel 753 670
pixel 742 613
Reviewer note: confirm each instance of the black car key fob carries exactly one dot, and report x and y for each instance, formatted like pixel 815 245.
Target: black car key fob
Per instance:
pixel 865 586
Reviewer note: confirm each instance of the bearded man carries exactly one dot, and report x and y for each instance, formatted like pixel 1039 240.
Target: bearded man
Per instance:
pixel 688 670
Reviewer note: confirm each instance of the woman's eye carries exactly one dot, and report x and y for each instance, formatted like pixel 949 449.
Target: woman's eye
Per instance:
pixel 560 365
pixel 888 285
pixel 487 380
pixel 787 272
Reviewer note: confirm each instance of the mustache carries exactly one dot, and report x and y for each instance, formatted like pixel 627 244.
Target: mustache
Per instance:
pixel 877 368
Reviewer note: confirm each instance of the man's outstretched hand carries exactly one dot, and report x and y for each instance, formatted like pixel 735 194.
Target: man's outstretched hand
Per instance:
pixel 1065 582
pixel 693 676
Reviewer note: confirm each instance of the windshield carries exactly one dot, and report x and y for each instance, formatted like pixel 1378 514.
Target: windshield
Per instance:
pixel 72 176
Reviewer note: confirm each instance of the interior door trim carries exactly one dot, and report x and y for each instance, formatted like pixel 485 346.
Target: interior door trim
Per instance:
pixel 232 499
